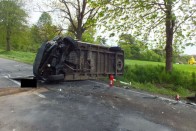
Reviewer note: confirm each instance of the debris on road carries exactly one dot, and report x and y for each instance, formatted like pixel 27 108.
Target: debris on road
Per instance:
pixel 177 97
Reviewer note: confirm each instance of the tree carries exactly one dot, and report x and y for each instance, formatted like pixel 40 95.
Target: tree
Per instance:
pixel 169 21
pixel 131 46
pixel 87 36
pixel 101 40
pixel 46 29
pixel 44 19
pixel 80 14
pixel 126 41
pixel 12 18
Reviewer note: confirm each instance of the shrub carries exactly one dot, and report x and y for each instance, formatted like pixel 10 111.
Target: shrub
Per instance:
pixel 158 75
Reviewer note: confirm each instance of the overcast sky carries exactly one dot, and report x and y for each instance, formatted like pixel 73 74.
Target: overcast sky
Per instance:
pixel 34 15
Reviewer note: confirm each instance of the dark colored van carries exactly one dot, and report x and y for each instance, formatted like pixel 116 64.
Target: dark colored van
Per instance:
pixel 64 58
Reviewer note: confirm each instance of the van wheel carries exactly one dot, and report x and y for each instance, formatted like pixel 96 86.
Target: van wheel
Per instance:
pixel 38 59
pixel 115 49
pixel 119 65
pixel 59 77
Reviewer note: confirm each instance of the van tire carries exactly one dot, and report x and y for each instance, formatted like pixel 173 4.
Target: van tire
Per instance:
pixel 59 77
pixel 115 49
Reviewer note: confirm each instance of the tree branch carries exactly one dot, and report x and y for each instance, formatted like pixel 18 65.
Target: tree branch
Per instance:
pixel 69 14
pixel 183 22
pixel 155 24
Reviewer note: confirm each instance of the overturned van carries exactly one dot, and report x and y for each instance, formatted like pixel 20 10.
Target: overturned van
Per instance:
pixel 64 58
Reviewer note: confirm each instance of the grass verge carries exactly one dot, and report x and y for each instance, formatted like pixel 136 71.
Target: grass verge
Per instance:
pixel 153 78
pixel 26 57
pixel 151 88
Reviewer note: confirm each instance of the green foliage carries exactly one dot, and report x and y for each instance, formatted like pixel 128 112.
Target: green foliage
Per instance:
pixel 182 78
pixel 26 57
pixel 146 19
pixel 81 15
pixel 87 36
pixel 101 40
pixel 24 38
pixel 45 19
pixel 158 76
pixel 150 55
pixel 135 49
pixel 44 30
pixel 12 21
pixel 127 50
pixel 160 90
pixel 131 47
pixel 181 67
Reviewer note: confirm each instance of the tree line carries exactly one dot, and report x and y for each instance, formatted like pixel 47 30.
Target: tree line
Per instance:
pixel 169 22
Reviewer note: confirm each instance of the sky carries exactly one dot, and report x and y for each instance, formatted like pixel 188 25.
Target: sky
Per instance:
pixel 34 15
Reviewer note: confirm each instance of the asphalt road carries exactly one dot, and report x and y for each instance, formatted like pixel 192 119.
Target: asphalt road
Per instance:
pixel 85 106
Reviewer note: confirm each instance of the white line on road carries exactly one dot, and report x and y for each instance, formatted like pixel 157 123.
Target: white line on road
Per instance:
pixel 16 82
pixel 40 95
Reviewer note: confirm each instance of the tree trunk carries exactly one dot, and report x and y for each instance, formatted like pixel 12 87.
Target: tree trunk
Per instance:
pixel 79 35
pixel 169 37
pixel 8 47
pixel 79 29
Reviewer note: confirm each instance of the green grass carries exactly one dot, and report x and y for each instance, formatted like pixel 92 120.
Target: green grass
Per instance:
pixel 151 77
pixel 26 57
pixel 149 87
pixel 153 89
pixel 182 67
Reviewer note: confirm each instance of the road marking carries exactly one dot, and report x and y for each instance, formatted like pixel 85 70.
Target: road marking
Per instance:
pixel 16 82
pixel 40 95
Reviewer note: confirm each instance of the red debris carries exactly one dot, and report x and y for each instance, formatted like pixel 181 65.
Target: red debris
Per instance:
pixel 111 80
pixel 177 97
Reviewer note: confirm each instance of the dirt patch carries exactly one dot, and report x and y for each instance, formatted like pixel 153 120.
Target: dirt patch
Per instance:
pixel 13 90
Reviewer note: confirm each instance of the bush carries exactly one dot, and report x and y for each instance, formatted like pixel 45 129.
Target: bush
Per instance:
pixel 150 55
pixel 158 75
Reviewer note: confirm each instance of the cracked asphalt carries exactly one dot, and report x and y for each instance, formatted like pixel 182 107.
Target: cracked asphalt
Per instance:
pixel 85 106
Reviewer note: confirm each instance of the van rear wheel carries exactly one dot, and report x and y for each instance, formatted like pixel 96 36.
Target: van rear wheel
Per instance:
pixel 115 49
pixel 59 77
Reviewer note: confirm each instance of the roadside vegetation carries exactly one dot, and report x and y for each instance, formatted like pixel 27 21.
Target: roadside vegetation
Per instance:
pixel 181 67
pixel 144 75
pixel 152 64
pixel 26 57
pixel 152 77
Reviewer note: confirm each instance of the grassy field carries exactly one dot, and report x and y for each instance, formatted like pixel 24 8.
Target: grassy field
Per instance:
pixel 26 57
pixel 182 67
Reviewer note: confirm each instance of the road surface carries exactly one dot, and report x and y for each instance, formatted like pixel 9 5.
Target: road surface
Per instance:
pixel 85 106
